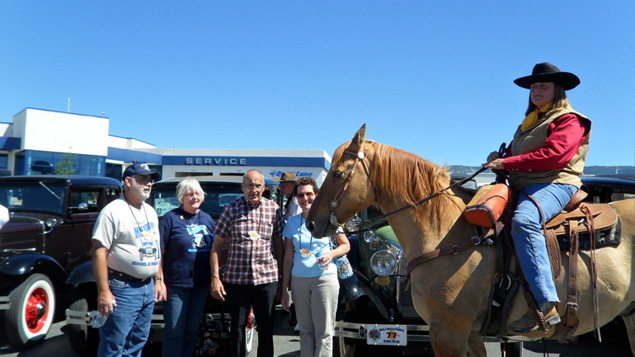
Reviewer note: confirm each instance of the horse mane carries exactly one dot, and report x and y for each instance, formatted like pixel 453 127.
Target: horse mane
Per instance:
pixel 411 178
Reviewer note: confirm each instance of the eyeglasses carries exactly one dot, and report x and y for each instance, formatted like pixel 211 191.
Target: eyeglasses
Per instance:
pixel 307 195
pixel 252 186
pixel 143 180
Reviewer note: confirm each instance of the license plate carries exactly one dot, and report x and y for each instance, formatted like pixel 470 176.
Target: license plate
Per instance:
pixel 387 335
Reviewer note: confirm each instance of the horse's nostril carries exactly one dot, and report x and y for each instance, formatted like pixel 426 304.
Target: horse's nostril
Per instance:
pixel 310 226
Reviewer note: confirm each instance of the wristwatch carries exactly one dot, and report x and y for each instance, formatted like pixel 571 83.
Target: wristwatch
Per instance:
pixel 157 278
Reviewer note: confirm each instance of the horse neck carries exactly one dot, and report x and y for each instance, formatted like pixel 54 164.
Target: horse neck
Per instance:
pixel 428 226
pixel 417 178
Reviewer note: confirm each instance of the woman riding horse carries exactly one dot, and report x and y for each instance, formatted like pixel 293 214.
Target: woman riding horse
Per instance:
pixel 545 160
pixel 451 272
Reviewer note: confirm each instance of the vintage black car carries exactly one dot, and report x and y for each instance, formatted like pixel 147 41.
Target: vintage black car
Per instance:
pixel 48 235
pixel 376 293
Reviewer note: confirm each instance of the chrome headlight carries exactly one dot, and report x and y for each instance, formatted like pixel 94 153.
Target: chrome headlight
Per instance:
pixel 383 263
pixel 51 222
pixel 353 224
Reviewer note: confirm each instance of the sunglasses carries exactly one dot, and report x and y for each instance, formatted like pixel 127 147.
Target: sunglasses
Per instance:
pixel 142 180
pixel 307 195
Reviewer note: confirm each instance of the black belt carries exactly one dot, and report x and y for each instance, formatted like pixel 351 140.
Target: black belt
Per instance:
pixel 126 276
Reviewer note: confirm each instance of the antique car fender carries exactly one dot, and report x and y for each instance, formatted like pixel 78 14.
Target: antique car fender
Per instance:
pixel 354 288
pixel 25 264
pixel 19 268
pixel 82 274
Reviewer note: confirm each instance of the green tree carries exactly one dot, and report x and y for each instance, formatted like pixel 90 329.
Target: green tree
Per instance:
pixel 65 166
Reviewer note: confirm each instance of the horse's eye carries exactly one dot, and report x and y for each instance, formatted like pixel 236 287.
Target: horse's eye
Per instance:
pixel 338 174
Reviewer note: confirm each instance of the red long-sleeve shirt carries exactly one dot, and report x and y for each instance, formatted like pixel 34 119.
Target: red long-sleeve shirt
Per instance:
pixel 566 134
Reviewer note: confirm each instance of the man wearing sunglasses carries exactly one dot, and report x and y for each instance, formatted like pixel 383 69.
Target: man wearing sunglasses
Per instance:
pixel 126 258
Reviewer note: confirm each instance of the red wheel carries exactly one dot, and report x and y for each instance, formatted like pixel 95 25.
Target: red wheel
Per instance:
pixel 32 310
pixel 249 331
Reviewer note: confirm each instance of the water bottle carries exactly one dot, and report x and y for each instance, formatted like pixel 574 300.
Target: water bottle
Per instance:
pixel 318 253
pixel 97 320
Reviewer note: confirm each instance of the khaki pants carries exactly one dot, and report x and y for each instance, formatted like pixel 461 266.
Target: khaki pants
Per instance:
pixel 315 302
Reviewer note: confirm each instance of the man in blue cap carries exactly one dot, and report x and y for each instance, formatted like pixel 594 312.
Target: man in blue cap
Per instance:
pixel 126 256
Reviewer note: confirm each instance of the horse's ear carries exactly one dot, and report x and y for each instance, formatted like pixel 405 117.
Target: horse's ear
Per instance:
pixel 358 139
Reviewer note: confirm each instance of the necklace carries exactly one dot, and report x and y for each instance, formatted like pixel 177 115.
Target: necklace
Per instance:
pixel 304 251
pixel 192 222
pixel 144 233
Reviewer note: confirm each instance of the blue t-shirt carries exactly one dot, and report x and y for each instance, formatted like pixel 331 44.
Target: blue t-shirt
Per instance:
pixel 305 249
pixel 187 240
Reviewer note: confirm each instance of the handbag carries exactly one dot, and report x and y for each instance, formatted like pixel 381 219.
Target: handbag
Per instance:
pixel 344 269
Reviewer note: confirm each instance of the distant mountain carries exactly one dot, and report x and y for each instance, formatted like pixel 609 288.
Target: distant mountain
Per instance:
pixel 623 172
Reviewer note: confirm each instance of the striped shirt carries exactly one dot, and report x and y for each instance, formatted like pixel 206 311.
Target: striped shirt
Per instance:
pixel 250 230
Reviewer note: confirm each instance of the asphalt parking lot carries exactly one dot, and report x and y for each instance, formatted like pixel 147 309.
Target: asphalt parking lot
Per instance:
pixel 286 344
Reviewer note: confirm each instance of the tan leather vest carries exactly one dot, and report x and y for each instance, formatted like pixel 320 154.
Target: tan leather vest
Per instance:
pixel 533 138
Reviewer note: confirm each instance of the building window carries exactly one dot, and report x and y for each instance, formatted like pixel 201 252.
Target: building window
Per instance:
pixel 193 174
pixel 114 171
pixel 18 166
pixel 30 162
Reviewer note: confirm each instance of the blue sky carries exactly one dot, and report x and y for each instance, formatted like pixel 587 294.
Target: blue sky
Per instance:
pixel 430 77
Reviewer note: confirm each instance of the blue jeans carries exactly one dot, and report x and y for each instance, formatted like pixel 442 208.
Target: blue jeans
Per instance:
pixel 530 243
pixel 127 328
pixel 182 313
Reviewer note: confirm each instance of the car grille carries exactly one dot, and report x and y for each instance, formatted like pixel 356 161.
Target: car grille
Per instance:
pixel 404 298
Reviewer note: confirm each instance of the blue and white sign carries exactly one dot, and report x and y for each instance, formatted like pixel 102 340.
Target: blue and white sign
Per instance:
pixel 298 174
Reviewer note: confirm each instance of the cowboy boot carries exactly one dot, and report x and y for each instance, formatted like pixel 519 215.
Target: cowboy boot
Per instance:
pixel 531 321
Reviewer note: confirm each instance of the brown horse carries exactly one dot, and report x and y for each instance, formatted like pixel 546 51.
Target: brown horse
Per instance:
pixel 451 292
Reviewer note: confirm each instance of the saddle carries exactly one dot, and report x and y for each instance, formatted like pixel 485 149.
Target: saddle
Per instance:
pixel 588 219
pixel 577 218
pixel 593 224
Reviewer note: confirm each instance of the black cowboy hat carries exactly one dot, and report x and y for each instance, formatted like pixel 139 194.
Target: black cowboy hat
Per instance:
pixel 546 72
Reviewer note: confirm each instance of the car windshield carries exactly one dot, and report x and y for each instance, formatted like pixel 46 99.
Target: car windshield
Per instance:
pixel 217 196
pixel 33 197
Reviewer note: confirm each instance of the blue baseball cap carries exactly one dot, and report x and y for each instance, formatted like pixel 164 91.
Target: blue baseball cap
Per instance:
pixel 140 169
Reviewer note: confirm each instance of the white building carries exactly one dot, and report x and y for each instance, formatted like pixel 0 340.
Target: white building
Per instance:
pixel 38 140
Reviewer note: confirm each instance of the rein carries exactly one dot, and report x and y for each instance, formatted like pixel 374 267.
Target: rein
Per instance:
pixel 455 249
pixel 417 203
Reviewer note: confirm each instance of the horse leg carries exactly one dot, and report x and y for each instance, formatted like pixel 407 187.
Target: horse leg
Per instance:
pixel 445 343
pixel 629 321
pixel 453 341
pixel 476 345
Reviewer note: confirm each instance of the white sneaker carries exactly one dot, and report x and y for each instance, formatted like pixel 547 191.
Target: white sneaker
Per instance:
pixel 296 328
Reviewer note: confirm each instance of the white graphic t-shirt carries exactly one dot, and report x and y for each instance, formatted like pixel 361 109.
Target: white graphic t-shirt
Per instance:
pixel 131 236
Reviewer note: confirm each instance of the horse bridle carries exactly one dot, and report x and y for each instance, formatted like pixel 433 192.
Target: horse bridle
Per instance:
pixel 455 249
pixel 359 156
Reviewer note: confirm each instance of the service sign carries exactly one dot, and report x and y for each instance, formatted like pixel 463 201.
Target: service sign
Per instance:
pixel 387 335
